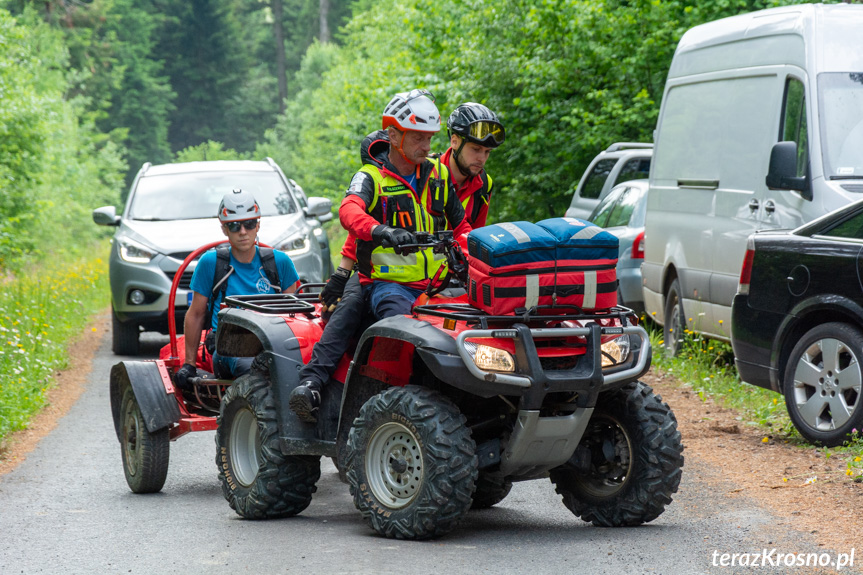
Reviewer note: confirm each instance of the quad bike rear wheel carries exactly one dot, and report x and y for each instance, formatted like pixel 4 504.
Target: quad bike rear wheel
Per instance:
pixel 411 463
pixel 145 454
pixel 258 480
pixel 490 491
pixel 635 460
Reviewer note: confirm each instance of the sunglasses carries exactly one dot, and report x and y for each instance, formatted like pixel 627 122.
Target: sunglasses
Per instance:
pixel 235 226
pixel 483 130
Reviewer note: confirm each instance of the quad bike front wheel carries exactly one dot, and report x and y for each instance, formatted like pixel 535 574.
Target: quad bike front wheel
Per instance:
pixel 145 454
pixel 411 463
pixel 632 463
pixel 259 481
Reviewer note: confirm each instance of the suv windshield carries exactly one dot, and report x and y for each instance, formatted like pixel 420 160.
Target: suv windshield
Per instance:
pixel 192 196
pixel 840 98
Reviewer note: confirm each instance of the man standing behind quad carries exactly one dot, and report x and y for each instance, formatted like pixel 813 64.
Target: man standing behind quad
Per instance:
pixel 474 131
pixel 242 269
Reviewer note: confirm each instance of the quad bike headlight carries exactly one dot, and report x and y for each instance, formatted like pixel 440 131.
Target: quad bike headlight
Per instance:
pixel 616 351
pixel 490 358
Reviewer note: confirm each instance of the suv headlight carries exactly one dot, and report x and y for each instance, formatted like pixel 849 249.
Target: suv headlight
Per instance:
pixel 134 252
pixel 616 351
pixel 490 358
pixel 295 245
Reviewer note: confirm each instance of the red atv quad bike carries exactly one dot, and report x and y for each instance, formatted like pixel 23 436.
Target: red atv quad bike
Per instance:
pixel 438 412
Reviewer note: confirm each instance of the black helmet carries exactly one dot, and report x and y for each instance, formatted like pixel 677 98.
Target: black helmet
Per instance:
pixel 476 123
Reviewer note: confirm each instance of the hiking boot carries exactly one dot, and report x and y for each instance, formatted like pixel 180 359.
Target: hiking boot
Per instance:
pixel 305 400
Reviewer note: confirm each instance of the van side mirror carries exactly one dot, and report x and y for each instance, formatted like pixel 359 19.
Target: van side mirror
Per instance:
pixel 106 216
pixel 782 172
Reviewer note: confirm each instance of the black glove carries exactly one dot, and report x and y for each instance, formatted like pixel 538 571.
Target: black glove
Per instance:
pixel 335 287
pixel 389 237
pixel 181 378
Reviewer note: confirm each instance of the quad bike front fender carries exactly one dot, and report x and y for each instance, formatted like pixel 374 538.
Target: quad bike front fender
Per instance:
pixel 438 351
pixel 150 383
pixel 278 344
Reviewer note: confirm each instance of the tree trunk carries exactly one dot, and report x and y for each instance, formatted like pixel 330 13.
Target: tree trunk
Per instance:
pixel 325 28
pixel 279 36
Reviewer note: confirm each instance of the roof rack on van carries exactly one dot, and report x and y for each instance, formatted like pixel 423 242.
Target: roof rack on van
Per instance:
pixel 628 146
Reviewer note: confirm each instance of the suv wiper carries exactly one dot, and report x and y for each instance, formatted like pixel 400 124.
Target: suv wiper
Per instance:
pixel 857 177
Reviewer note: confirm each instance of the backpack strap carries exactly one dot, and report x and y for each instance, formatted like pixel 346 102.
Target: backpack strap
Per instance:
pixel 482 196
pixel 268 261
pixel 220 281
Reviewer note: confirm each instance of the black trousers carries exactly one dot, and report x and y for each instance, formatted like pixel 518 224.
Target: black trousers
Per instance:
pixel 343 326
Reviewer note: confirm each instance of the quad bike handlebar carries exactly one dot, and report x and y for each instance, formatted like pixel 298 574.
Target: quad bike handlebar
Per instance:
pixel 441 242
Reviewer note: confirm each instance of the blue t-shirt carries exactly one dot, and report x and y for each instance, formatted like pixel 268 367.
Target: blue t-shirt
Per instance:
pixel 247 279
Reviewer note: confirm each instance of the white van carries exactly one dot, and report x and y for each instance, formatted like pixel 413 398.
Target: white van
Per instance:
pixel 779 90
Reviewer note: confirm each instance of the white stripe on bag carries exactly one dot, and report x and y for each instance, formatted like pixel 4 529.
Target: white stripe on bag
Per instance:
pixel 516 232
pixel 531 296
pixel 589 290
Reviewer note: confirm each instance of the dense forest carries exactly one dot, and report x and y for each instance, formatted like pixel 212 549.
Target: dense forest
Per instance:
pixel 92 89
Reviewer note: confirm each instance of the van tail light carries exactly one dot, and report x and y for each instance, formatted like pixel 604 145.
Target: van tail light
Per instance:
pixel 638 247
pixel 746 270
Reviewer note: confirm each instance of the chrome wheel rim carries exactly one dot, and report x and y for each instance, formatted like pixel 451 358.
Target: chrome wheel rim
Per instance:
pixel 394 465
pixel 827 384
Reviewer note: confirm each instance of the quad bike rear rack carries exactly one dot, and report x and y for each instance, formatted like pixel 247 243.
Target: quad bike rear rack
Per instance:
pixel 543 313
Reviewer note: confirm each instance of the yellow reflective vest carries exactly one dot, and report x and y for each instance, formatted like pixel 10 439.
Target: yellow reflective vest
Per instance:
pixel 396 204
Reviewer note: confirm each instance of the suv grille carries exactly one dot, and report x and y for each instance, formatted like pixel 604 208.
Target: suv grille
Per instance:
pixel 185 281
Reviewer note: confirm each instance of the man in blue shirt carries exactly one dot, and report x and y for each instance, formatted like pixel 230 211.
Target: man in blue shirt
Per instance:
pixel 246 274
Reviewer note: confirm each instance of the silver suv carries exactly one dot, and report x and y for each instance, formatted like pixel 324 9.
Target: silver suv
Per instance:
pixel 171 211
pixel 621 162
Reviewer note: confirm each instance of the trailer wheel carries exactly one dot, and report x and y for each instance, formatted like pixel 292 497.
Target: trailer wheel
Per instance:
pixel 145 454
pixel 635 460
pixel 257 479
pixel 411 463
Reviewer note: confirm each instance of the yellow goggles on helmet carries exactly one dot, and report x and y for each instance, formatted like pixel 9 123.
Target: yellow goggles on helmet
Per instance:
pixel 483 130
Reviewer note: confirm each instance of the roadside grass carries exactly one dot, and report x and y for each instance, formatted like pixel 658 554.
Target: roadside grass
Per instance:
pixel 42 307
pixel 707 366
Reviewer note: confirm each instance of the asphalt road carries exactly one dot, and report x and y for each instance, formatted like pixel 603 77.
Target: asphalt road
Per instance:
pixel 67 510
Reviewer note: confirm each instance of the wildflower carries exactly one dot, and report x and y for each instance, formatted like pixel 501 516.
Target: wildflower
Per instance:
pixel 849 472
pixel 765 440
pixel 720 322
pixel 775 401
pixel 811 480
pixel 856 460
pixel 785 479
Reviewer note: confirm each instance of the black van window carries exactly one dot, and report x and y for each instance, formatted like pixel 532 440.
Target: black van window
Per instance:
pixel 636 169
pixel 794 122
pixel 596 179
